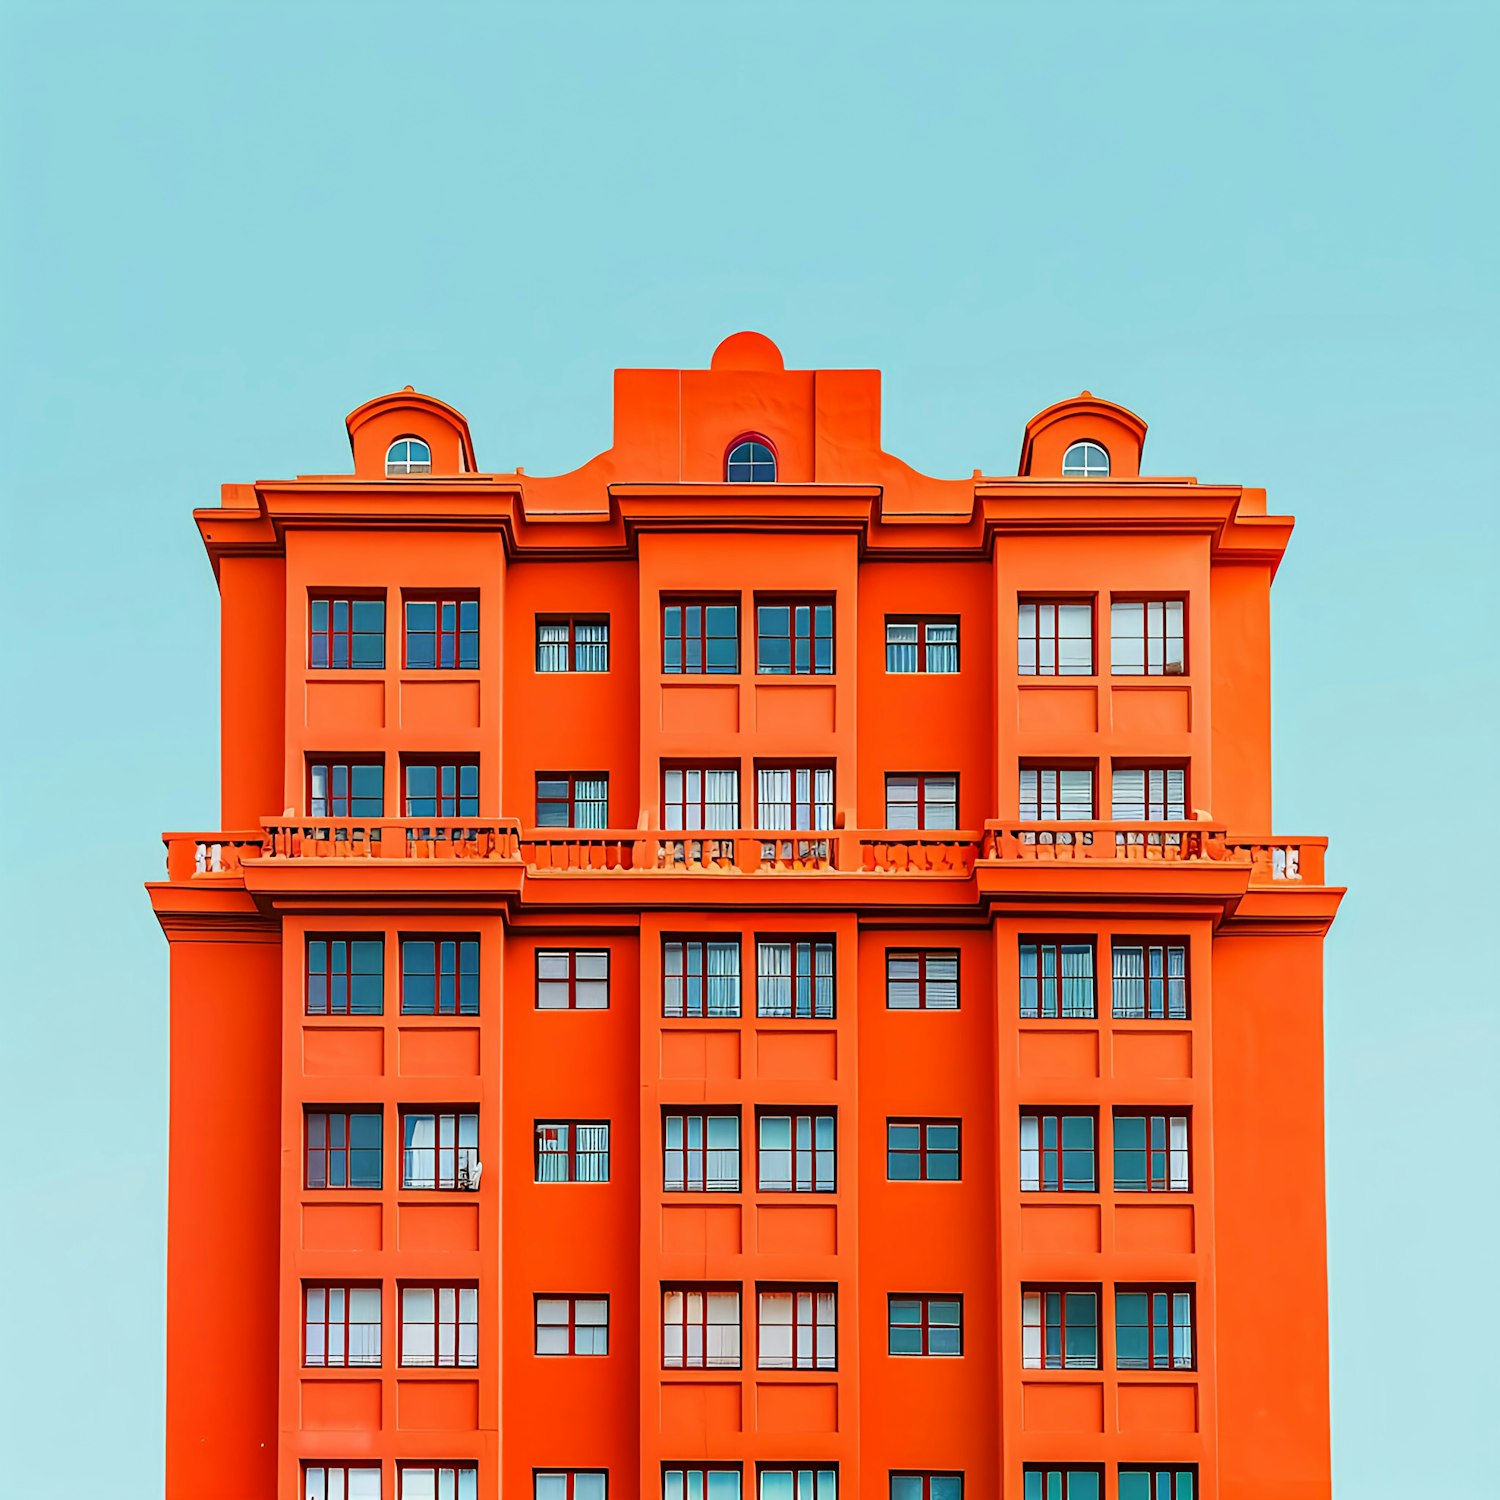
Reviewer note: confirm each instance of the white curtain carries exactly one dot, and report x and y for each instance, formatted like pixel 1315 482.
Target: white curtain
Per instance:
pixel 1031 1157
pixel 1077 980
pixel 551 647
pixel 592 646
pixel 723 982
pixel 900 647
pixel 942 646
pixel 773 979
pixel 774 798
pixel 593 1153
pixel 420 1156
pixel 417 1318
pixel 1129 983
pixel 591 802
pixel 721 799
pixel 1177 1153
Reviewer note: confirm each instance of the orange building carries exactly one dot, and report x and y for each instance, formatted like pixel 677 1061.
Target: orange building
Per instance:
pixel 745 971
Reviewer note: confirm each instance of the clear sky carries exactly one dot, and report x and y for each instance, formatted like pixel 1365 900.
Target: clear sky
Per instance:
pixel 1268 228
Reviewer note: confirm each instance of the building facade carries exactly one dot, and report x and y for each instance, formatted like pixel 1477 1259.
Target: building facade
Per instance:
pixel 745 970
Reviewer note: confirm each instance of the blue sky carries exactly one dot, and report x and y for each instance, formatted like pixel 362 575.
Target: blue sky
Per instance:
pixel 1268 228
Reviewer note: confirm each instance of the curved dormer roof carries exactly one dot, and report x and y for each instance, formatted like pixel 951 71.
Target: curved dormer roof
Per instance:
pixel 377 424
pixel 1085 418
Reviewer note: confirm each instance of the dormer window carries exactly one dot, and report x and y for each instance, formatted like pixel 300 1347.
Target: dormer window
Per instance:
pixel 408 455
pixel 751 460
pixel 1086 461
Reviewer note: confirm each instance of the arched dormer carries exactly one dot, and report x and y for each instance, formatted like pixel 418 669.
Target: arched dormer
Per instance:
pixel 405 417
pixel 1085 419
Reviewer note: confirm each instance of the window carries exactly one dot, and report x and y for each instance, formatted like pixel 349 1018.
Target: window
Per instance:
pixel 700 1152
pixel 445 789
pixel 569 1484
pixel 1059 1329
pixel 1058 1153
pixel 700 797
pixel 794 979
pixel 1157 793
pixel 700 1328
pixel 799 1484
pixel 932 1326
pixel 345 976
pixel 322 1481
pixel 700 636
pixel 1163 1482
pixel 440 1150
pixel 751 460
pixel 1050 1482
pixel 440 976
pixel 921 800
pixel 921 979
pixel 343 1149
pixel 346 633
pixel 1057 979
pixel 1051 794
pixel 340 1326
pixel 797 1153
pixel 569 799
pixel 798 1329
pixel 1146 638
pixel 1154 1328
pixel 440 1327
pixel 572 645
pixel 921 1150
pixel 1151 1153
pixel 451 1481
pixel 921 645
pixel 442 633
pixel 572 1151
pixel 346 789
pixel 572 979
pixel 927 1487
pixel 794 637
pixel 679 1483
pixel 700 976
pixel 408 455
pixel 572 1325
pixel 1055 638
pixel 790 797
pixel 1150 981
pixel 1086 461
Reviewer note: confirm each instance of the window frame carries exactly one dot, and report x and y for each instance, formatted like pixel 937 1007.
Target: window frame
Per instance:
pixel 925 1324
pixel 1032 807
pixel 571 981
pixel 1162 637
pixel 1149 772
pixel 465 802
pixel 570 1478
pixel 404 468
pixel 1170 1293
pixel 701 635
pixel 683 803
pixel 348 975
pixel 1154 1474
pixel 457 1467
pixel 926 1477
pixel 1059 1151
pixel 798 1154
pixel 705 1473
pixel 1085 467
pixel 795 1469
pixel 792 603
pixel 571 647
pixel 1171 1180
pixel 346 1323
pixel 754 461
pixel 1067 1473
pixel 1158 1006
pixel 922 778
pixel 1037 636
pixel 331 762
pixel 347 1113
pixel 573 1154
pixel 704 1152
pixel 571 801
pixel 330 600
pixel 813 1295
pixel 458 1323
pixel 924 1125
pixel 703 1290
pixel 924 957
pixel 1057 944
pixel 806 1000
pixel 1066 1293
pixel 925 648
pixel 571 1299
pixel 463 1159
pixel 461 981
pixel 461 640
pixel 344 1468
pixel 708 1006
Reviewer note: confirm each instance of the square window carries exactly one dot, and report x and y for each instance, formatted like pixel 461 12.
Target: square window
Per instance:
pixel 1149 794
pixel 340 1326
pixel 1060 1328
pixel 439 1149
pixel 700 798
pixel 440 1326
pixel 346 633
pixel 797 1152
pixel 1058 1152
pixel 566 643
pixel 1057 979
pixel 794 978
pixel 1055 638
pixel 700 1152
pixel 1054 1482
pixel 572 1325
pixel 345 788
pixel 442 633
pixel 921 645
pixel 345 976
pixel 798 1328
pixel 443 1481
pixel 440 976
pixel 572 799
pixel 572 1151
pixel 1159 1482
pixel 1057 794
pixel 700 1328
pixel 922 1150
pixel 794 637
pixel 1146 638
pixel 921 1324
pixel 700 637
pixel 1150 981
pixel 921 979
pixel 342 1149
pixel 700 976
pixel 572 979
pixel 921 800
pixel 441 789
pixel 1154 1328
pixel 1151 1152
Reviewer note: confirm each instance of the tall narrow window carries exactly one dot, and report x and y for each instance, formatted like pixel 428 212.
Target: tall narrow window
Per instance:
pixel 798 1329
pixel 322 1481
pixel 572 644
pixel 700 1328
pixel 440 976
pixel 921 800
pixel 569 1484
pixel 407 455
pixel 698 1482
pixel 1151 1152
pixel 700 637
pixel 1150 982
pixel 921 979
pixel 1055 638
pixel 440 1327
pixel 750 460
pixel 700 976
pixel 1154 1328
pixel 572 799
pixel 1058 1153
pixel 927 1486
pixel 700 1152
pixel 445 1481
pixel 572 979
pixel 345 976
pixel 1053 1482
pixel 340 1326
pixel 777 1483
pixel 700 797
pixel 1086 461
pixel 1149 793
pixel 441 789
pixel 442 634
pixel 922 1150
pixel 921 645
pixel 348 633
pixel 1059 1329
pixel 439 1149
pixel 797 1153
pixel 794 797
pixel 1057 979
pixel 1051 794
pixel 1159 1482
pixel 794 979
pixel 343 1149
pixel 1146 638
pixel 930 1326
pixel 572 1151
pixel 345 789
pixel 572 1325
pixel 794 637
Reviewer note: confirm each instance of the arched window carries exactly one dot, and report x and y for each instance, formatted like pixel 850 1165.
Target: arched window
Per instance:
pixel 751 460
pixel 1086 461
pixel 408 455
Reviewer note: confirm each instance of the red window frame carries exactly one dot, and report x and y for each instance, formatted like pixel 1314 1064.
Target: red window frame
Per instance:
pixel 692 623
pixel 452 1161
pixel 806 1300
pixel 455 781
pixel 1048 633
pixel 574 1154
pixel 571 1478
pixel 924 1125
pixel 572 643
pixel 1157 1000
pixel 333 636
pixel 571 1300
pixel 1051 1159
pixel 1160 638
pixel 803 1152
pixel 686 803
pixel 677 1161
pixel 454 973
pixel 1066 1475
pixel 1154 1182
pixel 338 972
pixel 345 1324
pixel 1034 801
pixel 571 801
pixel 570 980
pixel 455 646
pixel 1161 1320
pixel 1174 1481
pixel 700 1321
pixel 686 950
pixel 453 1325
pixel 1049 998
pixel 327 1468
pixel 1067 1296
pixel 924 1323
pixel 807 639
pixel 347 764
pixel 923 646
pixel 925 1478
pixel 703 1474
pixel 923 958
pixel 437 1470
pixel 320 1135
pixel 922 778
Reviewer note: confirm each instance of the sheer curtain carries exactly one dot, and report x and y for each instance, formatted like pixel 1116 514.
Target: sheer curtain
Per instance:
pixel 773 979
pixel 723 979
pixel 420 1156
pixel 593 1153
pixel 552 646
pixel 773 789
pixel 1077 980
pixel 942 646
pixel 721 799
pixel 591 802
pixel 1129 984
pixel 900 647
pixel 591 653
pixel 1031 1155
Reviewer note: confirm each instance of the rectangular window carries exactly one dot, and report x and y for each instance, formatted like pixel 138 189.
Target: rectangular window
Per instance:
pixel 1151 1153
pixel 927 1486
pixel 572 1151
pixel 794 979
pixel 700 976
pixel 1055 638
pixel 322 1481
pixel 340 1326
pixel 921 645
pixel 1059 1329
pixel 343 1149
pixel 793 797
pixel 921 800
pixel 1057 794
pixel 1057 979
pixel 797 1153
pixel 572 1325
pixel 568 799
pixel 1145 638
pixel 1052 1482
pixel 440 976
pixel 572 645
pixel 1159 1482
pixel 1154 1328
pixel 921 979
pixel 932 1326
pixel 346 633
pixel 799 1484
pixel 922 1150
pixel 441 789
pixel 446 1481
pixel 798 1329
pixel 439 1150
pixel 440 1327
pixel 700 797
pixel 700 1328
pixel 569 1484
pixel 345 789
pixel 700 636
pixel 794 637
pixel 442 634
pixel 700 1152
pixel 1156 794
pixel 345 976
pixel 572 979
pixel 1058 1153
pixel 1150 982
pixel 680 1482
